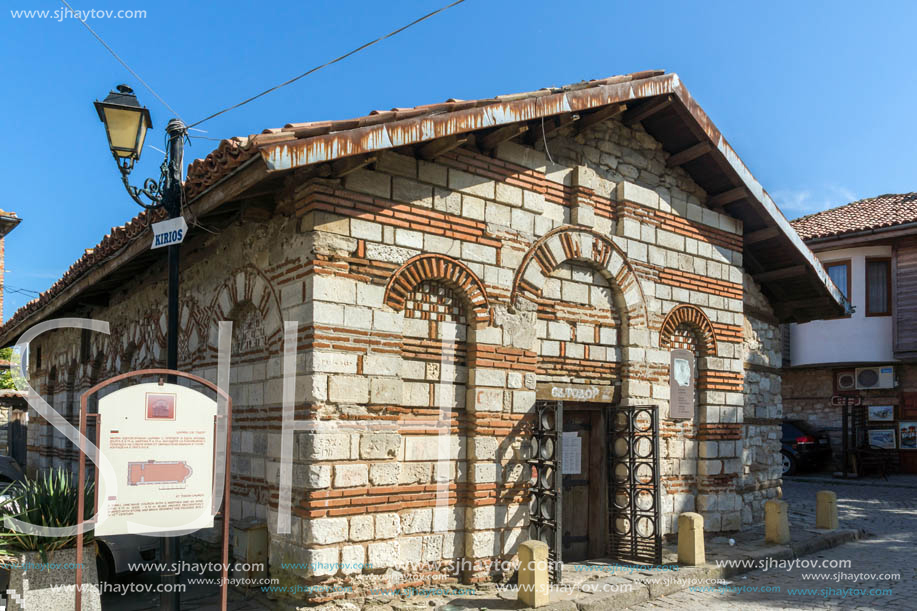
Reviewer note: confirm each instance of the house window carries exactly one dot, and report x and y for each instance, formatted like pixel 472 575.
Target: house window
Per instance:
pixel 839 272
pixel 878 287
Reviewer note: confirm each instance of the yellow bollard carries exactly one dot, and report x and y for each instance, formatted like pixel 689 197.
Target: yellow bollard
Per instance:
pixel 776 522
pixel 533 574
pixel 691 539
pixel 826 510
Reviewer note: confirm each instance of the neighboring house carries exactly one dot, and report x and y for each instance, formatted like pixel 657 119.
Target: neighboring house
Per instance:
pixel 8 222
pixel 869 248
pixel 12 404
pixel 470 261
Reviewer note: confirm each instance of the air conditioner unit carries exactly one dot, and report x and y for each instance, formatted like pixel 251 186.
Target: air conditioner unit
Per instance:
pixel 875 377
pixel 845 380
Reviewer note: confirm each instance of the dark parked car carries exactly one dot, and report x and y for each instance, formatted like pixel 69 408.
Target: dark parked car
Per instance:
pixel 803 447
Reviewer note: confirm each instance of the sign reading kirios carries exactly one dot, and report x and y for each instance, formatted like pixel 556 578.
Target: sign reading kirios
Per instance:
pixel 167 233
pixel 160 441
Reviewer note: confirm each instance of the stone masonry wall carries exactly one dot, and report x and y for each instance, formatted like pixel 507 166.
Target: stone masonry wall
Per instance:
pixel 432 298
pixel 759 446
pixel 807 393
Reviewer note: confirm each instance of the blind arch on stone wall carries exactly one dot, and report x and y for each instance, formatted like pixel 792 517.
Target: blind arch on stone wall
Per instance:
pixel 247 285
pixel 192 330
pixel 577 244
pixel 446 270
pixel 693 318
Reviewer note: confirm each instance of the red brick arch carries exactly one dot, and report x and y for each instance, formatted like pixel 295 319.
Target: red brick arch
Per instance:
pixel 447 270
pixel 246 285
pixel 586 246
pixel 694 317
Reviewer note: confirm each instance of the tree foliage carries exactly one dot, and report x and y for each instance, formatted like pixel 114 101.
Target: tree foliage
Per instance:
pixel 6 378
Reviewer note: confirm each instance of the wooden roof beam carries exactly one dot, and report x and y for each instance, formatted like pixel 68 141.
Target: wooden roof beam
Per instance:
pixel 597 116
pixel 780 274
pixel 343 167
pixel 689 154
pixel 760 235
pixel 501 134
pixel 433 149
pixel 539 131
pixel 646 110
pixel 725 198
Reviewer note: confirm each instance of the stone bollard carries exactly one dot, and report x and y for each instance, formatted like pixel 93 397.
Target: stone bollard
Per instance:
pixel 691 539
pixel 776 522
pixel 533 574
pixel 826 510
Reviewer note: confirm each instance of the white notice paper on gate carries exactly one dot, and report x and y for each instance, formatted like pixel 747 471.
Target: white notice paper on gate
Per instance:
pixel 572 453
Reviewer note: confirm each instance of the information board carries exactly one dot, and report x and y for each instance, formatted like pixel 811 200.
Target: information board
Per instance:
pixel 159 439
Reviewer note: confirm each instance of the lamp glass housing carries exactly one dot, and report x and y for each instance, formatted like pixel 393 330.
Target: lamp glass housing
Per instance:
pixel 126 122
pixel 126 131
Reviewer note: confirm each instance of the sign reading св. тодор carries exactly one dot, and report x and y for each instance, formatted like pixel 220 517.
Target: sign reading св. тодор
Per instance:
pixel 159 439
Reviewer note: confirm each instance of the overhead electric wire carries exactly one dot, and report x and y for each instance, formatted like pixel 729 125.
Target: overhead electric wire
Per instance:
pixel 121 61
pixel 266 91
pixel 263 93
pixel 18 290
pixel 326 64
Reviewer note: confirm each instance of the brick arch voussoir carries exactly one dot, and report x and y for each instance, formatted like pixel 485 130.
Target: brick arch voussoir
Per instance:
pixel 249 283
pixel 447 270
pixel 586 246
pixel 694 317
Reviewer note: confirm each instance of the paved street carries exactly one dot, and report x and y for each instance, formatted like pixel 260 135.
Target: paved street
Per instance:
pixel 889 513
pixel 888 510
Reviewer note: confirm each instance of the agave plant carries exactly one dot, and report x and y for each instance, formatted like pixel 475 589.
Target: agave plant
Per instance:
pixel 48 500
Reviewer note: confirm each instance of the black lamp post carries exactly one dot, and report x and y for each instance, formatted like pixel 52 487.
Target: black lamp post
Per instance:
pixel 126 122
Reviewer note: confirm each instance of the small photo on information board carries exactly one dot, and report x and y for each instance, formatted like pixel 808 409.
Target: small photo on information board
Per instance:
pixel 160 406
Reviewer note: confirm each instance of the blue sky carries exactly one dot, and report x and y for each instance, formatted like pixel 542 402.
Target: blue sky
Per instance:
pixel 816 97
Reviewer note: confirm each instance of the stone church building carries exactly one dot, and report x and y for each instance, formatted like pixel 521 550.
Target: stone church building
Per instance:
pixel 465 276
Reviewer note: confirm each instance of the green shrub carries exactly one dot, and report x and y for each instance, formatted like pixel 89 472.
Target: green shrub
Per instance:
pixel 48 500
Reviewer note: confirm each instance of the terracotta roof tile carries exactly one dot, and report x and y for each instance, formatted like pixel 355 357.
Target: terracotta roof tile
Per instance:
pixel 233 152
pixel 110 244
pixel 203 173
pixel 883 211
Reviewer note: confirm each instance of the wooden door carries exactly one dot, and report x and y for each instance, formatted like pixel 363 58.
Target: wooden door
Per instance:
pixel 584 485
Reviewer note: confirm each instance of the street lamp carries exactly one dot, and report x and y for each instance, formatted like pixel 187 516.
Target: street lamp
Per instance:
pixel 126 122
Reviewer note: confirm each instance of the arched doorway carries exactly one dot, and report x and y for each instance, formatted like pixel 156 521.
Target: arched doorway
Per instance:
pixel 591 320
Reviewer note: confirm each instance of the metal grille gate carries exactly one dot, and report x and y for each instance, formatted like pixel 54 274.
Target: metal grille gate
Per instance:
pixel 633 493
pixel 544 456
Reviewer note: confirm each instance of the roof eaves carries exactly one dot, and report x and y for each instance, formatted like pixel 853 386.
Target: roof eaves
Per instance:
pixel 759 195
pixel 8 222
pixel 332 145
pixel 329 146
pixel 298 145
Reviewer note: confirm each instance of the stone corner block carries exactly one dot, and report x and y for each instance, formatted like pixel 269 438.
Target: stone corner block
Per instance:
pixel 583 214
pixel 629 192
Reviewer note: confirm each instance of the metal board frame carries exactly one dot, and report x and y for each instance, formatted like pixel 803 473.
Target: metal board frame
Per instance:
pixel 163 374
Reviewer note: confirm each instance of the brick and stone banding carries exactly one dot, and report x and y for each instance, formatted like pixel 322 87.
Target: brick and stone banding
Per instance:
pixel 449 289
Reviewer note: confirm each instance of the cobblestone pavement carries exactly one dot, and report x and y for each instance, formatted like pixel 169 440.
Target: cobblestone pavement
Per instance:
pixel 886 560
